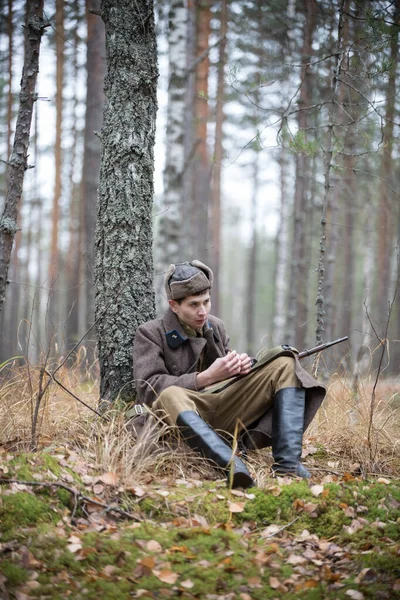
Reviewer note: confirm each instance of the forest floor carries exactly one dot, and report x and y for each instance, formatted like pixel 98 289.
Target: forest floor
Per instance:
pixel 93 514
pixel 72 530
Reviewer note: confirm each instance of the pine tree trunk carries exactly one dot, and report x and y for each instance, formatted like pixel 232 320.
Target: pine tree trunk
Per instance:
pixel 189 136
pixel 327 200
pixel 18 160
pixel 298 300
pixel 95 66
pixel 74 251
pixel 124 265
pixel 215 224
pixel 385 195
pixel 170 219
pixel 201 163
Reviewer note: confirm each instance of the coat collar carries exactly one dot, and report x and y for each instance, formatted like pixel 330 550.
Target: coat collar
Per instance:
pixel 175 334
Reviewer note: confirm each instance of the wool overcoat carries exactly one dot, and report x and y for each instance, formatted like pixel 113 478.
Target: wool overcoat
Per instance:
pixel 164 355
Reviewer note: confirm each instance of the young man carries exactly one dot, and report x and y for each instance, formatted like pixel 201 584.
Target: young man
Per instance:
pixel 176 360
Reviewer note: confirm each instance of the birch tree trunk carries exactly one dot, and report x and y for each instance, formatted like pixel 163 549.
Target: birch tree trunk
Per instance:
pixel 55 213
pixel 18 160
pixel 124 296
pixel 170 219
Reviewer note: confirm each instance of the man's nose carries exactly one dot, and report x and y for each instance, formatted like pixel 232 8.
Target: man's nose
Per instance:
pixel 202 310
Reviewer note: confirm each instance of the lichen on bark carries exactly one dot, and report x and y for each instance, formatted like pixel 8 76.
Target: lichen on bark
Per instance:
pixel 124 293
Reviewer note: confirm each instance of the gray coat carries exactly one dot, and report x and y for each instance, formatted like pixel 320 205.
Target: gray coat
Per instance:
pixel 163 355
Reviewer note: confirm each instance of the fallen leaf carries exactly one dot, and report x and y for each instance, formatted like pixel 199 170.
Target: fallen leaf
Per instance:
pixel 109 478
pixel 237 493
pixel 73 539
pixel 166 576
pixel 148 562
pixel 270 530
pixel 74 548
pixel 136 490
pixel 355 594
pixel 109 570
pixel 153 546
pixel 236 507
pixel 295 559
pixel 316 490
pixel 383 480
pixel 254 582
pixel 188 584
pixel 274 583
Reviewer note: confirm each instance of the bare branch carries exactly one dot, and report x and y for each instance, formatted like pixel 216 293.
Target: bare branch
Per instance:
pixel 77 496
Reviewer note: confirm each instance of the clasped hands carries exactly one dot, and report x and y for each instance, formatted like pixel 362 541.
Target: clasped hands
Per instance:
pixel 222 368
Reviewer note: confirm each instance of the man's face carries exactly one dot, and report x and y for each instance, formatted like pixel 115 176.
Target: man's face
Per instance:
pixel 193 310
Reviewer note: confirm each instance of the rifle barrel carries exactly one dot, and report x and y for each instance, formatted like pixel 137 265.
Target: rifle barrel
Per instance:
pixel 321 347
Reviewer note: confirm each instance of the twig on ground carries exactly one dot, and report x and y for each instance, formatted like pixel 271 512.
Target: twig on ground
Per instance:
pixel 282 528
pixel 76 494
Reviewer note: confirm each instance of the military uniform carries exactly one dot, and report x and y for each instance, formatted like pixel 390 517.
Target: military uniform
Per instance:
pixel 272 404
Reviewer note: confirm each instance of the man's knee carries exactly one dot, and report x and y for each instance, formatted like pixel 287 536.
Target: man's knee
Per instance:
pixel 172 401
pixel 281 372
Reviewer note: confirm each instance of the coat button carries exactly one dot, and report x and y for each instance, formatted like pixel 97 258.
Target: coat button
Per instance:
pixel 174 368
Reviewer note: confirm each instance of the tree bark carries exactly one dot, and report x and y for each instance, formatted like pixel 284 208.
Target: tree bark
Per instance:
pixel 124 293
pixel 95 67
pixel 385 195
pixel 18 160
pixel 320 301
pixel 252 261
pixel 170 219
pixel 54 308
pixel 74 225
pixel 298 296
pixel 201 163
pixel 215 224
pixel 282 246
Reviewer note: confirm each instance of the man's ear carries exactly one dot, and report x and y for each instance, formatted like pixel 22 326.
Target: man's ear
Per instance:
pixel 173 304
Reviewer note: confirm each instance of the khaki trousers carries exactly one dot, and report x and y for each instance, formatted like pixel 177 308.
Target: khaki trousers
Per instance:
pixel 244 401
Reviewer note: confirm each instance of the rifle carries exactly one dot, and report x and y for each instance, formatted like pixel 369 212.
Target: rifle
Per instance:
pixel 321 347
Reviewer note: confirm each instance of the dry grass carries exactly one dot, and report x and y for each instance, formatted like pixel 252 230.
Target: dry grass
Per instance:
pixel 361 424
pixel 343 427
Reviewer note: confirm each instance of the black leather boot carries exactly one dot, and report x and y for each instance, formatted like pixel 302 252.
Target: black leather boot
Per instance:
pixel 202 438
pixel 287 432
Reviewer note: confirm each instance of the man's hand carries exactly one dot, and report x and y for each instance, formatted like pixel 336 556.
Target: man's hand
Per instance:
pixel 222 368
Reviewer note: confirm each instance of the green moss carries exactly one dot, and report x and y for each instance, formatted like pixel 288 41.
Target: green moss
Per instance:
pixel 51 464
pixel 23 510
pixel 267 508
pixel 15 575
pixel 64 496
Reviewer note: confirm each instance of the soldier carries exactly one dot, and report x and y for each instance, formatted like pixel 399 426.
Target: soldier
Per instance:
pixel 185 370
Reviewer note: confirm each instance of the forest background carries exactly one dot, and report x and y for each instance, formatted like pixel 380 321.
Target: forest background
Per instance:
pixel 276 162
